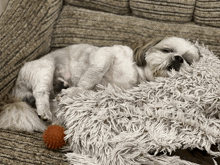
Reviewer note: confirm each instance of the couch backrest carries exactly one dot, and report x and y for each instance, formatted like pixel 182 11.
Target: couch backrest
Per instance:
pixel 165 10
pixel 207 12
pixel 204 12
pixel 112 6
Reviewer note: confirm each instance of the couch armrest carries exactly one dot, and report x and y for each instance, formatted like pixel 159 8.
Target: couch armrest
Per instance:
pixel 25 34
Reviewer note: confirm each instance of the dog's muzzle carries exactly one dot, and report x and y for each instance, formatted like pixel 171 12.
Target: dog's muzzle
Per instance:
pixel 175 63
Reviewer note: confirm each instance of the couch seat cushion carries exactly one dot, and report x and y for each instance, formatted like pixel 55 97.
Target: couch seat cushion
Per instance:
pixel 22 148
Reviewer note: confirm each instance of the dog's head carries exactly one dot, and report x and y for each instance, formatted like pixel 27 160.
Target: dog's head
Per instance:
pixel 159 56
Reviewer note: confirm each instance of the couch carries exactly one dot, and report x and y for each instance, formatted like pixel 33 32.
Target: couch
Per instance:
pixel 30 29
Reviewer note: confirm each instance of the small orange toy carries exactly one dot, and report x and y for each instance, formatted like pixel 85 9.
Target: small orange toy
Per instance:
pixel 54 137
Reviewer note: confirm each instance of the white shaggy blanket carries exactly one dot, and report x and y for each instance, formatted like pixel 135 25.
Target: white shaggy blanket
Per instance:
pixel 129 127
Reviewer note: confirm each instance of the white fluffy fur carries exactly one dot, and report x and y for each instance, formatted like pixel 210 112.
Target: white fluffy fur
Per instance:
pixel 158 61
pixel 78 65
pixel 20 116
pixel 84 66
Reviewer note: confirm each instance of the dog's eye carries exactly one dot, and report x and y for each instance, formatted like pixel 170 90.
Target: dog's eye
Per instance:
pixel 167 50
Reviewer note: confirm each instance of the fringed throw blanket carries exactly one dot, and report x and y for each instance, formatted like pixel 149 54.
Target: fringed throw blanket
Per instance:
pixel 130 127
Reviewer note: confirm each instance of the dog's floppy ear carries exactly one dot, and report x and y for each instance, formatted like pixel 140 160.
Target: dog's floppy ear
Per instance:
pixel 193 55
pixel 140 48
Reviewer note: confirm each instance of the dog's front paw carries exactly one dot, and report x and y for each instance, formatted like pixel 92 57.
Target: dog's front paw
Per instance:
pixel 72 91
pixel 44 114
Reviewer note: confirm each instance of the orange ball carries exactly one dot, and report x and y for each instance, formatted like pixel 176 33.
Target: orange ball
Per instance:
pixel 53 137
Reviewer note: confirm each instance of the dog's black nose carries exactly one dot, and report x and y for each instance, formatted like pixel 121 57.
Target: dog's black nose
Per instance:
pixel 175 63
pixel 178 59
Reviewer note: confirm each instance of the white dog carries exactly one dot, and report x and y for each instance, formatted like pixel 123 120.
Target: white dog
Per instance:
pixel 85 66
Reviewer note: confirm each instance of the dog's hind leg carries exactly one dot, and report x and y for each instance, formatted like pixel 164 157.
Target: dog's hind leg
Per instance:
pixel 100 62
pixel 35 84
pixel 43 88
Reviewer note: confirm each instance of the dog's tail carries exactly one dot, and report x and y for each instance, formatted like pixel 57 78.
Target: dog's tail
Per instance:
pixel 18 115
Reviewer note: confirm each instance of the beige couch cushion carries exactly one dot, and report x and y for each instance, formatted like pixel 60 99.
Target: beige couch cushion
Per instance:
pixel 207 12
pixel 112 6
pixel 25 34
pixel 3 5
pixel 166 10
pixel 23 148
pixel 77 25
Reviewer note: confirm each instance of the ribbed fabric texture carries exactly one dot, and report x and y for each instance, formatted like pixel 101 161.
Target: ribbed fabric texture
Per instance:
pixel 25 34
pixel 164 10
pixel 112 6
pixel 19 148
pixel 77 25
pixel 207 12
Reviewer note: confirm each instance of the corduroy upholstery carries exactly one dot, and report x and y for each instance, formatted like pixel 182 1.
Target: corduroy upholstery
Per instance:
pixel 26 148
pixel 31 28
pixel 207 12
pixel 167 10
pixel 79 25
pixel 112 6
pixel 25 34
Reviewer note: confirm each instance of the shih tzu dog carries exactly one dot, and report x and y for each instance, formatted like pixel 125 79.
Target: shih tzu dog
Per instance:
pixel 85 66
